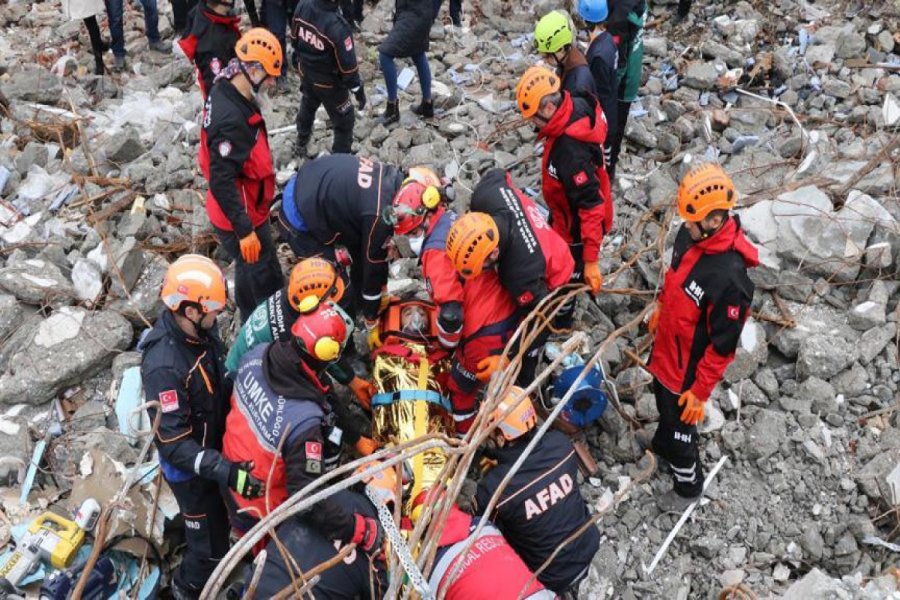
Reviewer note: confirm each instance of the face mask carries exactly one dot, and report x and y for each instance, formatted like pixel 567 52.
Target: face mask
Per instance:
pixel 415 244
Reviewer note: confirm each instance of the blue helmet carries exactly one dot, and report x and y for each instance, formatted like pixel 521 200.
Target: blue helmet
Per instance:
pixel 589 400
pixel 593 11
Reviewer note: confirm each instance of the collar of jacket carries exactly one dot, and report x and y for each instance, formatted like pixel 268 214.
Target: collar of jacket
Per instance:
pixel 730 237
pixel 576 118
pixel 167 326
pixel 574 58
pixel 560 119
pixel 289 375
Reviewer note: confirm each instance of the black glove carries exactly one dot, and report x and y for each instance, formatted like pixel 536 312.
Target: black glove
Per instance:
pixel 360 94
pixel 466 499
pixel 241 481
pixel 367 534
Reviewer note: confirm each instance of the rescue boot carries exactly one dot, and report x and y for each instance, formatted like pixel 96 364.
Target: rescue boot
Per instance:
pixel 425 109
pixel 672 501
pixel 391 113
pixel 300 148
pixel 99 67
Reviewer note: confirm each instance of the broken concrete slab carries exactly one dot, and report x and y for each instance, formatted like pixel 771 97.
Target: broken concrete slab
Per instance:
pixel 36 281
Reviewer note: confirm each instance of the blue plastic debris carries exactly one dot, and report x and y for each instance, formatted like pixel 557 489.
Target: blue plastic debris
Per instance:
pixel 129 398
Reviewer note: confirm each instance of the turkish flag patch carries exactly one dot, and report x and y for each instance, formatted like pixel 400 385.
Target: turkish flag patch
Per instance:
pixel 525 298
pixel 348 43
pixel 734 312
pixel 224 148
pixel 168 401
pixel 580 178
pixel 313 451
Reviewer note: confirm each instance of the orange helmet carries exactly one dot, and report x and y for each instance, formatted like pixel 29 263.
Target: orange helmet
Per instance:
pixel 521 420
pixel 197 279
pixel 382 484
pixel 470 241
pixel 534 84
pixel 705 188
pixel 322 329
pixel 411 204
pixel 260 46
pixel 424 175
pixel 314 277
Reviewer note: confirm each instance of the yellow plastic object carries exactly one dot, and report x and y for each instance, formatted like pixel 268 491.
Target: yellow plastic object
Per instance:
pixel 60 538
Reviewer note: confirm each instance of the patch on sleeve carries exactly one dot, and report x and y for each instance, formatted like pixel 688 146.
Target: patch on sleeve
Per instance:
pixel 314 450
pixel 525 298
pixel 224 148
pixel 168 401
pixel 348 43
pixel 580 178
pixel 734 313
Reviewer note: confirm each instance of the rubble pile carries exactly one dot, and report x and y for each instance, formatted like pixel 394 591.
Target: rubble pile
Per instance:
pixel 800 102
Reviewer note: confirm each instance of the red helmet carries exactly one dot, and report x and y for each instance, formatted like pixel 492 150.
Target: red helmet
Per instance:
pixel 411 205
pixel 322 329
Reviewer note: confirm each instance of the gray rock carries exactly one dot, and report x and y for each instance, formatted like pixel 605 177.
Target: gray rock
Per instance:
pixel 124 147
pixel 751 352
pixel 867 315
pixel 852 382
pixel 822 55
pixel 143 301
pixel 820 394
pixel 850 44
pixel 15 443
pixel 879 256
pixel 129 260
pixel 767 382
pixel 656 46
pixel 66 454
pixel 34 153
pixel 11 314
pixel 88 417
pixel 135 225
pixel 87 281
pixel 700 76
pixel 123 361
pixel 871 478
pixel 837 88
pixel 815 584
pixel 636 131
pixel 67 347
pixel 37 281
pixel 824 356
pixel 874 341
pixel 769 429
pixel 33 84
pixel 812 542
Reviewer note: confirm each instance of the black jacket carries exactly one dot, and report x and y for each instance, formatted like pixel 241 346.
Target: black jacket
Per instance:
pixel 412 24
pixel 541 507
pixel 342 198
pixel 349 578
pixel 209 42
pixel 187 376
pixel 602 57
pixel 324 42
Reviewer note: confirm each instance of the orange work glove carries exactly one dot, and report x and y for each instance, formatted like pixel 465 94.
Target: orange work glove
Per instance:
pixel 592 276
pixel 250 248
pixel 487 366
pixel 363 390
pixel 653 320
pixel 365 446
pixel 694 410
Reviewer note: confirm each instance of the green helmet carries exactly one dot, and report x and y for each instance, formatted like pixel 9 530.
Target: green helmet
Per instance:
pixel 552 33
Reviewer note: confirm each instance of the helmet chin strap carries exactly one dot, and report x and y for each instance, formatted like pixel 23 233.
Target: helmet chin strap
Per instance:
pixel 705 233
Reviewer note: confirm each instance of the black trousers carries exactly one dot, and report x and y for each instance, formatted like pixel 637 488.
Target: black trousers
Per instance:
pixel 206 530
pixel 455 9
pixel 305 245
pixel 566 316
pixel 352 10
pixel 339 108
pixel 180 10
pixel 677 443
pixel 684 6
pixel 253 283
pixel 617 135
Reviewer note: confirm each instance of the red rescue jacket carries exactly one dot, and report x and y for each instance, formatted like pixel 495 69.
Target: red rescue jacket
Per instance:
pixel 575 184
pixel 705 299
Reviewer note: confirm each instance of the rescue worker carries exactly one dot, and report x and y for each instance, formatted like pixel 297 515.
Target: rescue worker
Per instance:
pixel 235 159
pixel 508 231
pixel 323 40
pixel 340 200
pixel 700 313
pixel 575 184
pixel 281 402
pixel 626 25
pixel 408 38
pixel 273 319
pixel 209 40
pixel 491 568
pixel 555 42
pixel 542 505
pixel 348 578
pixel 182 368
pixel 602 57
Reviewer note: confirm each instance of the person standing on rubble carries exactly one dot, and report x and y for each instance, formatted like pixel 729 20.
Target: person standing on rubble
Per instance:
pixel 281 421
pixel 323 40
pixel 183 369
pixel 237 163
pixel 506 230
pixel 210 35
pixel 273 320
pixel 476 317
pixel 542 506
pixel 555 42
pixel 574 180
pixel 340 200
pixel 626 24
pixel 699 316
pixel 602 58
pixel 115 11
pixel 408 38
